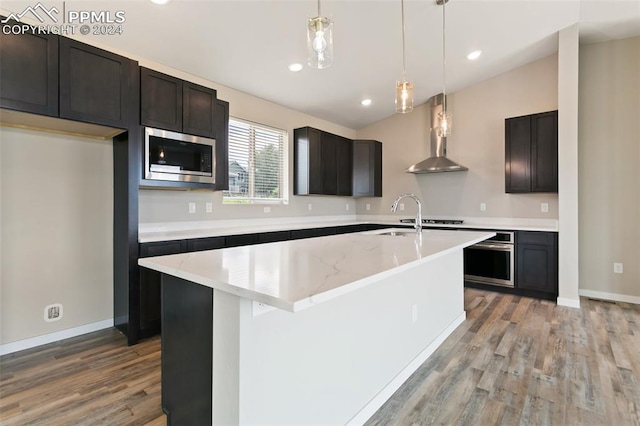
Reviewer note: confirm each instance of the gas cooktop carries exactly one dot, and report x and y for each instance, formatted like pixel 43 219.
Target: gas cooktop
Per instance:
pixel 435 221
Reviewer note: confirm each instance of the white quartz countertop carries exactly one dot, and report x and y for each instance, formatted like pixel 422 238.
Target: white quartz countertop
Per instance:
pixel 188 230
pixel 294 275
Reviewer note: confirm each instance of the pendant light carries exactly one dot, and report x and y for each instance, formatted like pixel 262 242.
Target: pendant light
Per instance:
pixel 444 127
pixel 320 41
pixel 404 88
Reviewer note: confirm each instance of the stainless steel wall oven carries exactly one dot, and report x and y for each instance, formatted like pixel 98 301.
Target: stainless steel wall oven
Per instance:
pixel 491 261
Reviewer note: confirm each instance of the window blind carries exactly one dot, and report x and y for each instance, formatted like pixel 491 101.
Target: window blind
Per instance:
pixel 257 164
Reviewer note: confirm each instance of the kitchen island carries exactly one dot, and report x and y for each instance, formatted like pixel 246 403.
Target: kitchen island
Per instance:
pixel 315 331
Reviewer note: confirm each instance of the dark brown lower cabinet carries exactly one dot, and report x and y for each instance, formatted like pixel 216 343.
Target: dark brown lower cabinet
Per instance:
pixel 537 261
pixel 150 285
pixel 187 351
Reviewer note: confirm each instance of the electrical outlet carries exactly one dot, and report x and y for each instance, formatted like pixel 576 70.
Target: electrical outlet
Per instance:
pixel 209 207
pixel 414 314
pixel 192 207
pixel 309 206
pixel 368 206
pixel 483 207
pixel 346 206
pixel 267 210
pixel 544 207
pixel 618 268
pixel 53 312
pixel 258 308
pixel 401 206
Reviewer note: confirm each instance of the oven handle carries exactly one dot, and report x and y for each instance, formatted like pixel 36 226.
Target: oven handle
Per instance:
pixel 497 247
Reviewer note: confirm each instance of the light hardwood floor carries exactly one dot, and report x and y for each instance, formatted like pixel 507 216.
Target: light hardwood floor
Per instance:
pixel 513 361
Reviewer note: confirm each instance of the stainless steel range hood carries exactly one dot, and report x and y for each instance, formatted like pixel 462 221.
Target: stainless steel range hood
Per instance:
pixel 438 162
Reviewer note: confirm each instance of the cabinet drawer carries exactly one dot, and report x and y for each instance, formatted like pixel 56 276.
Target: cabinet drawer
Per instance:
pixel 201 244
pixel 347 229
pixel 241 240
pixel 162 248
pixel 535 237
pixel 271 237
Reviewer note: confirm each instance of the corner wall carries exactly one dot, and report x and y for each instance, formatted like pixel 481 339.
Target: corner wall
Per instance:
pixel 56 228
pixel 609 159
pixel 477 142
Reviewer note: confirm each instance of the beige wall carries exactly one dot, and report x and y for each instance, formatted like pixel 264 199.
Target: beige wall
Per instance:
pixel 171 206
pixel 56 231
pixel 609 166
pixel 477 142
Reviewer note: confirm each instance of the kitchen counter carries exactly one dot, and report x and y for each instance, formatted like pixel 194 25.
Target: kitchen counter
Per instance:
pixel 153 232
pixel 295 275
pixel 359 313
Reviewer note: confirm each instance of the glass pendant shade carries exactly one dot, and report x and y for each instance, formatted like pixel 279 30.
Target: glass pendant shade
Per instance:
pixel 404 97
pixel 320 42
pixel 446 122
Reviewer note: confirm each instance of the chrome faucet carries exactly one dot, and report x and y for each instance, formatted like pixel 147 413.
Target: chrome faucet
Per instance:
pixel 394 208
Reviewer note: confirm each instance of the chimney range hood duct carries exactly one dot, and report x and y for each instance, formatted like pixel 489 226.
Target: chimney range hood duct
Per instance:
pixel 438 162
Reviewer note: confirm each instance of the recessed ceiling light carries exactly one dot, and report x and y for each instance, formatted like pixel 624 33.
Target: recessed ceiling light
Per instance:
pixel 295 67
pixel 160 1
pixel 474 55
pixel 366 102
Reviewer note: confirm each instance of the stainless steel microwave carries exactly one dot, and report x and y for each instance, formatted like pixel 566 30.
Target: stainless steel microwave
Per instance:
pixel 178 157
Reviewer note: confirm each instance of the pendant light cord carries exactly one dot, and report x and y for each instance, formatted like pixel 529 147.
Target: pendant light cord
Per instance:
pixel 404 60
pixel 444 60
pixel 319 8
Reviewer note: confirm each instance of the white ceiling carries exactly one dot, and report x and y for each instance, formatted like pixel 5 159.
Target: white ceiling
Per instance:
pixel 248 44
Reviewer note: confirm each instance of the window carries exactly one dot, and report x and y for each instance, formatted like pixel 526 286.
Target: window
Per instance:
pixel 257 164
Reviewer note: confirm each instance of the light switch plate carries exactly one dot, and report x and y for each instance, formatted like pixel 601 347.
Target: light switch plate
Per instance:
pixel 544 207
pixel 618 268
pixel 192 207
pixel 267 210
pixel 483 207
pixel 209 207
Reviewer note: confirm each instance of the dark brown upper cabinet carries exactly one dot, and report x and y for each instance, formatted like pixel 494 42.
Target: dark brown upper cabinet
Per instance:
pixel 531 153
pixel 322 163
pixel 29 73
pixel 222 145
pixel 170 103
pixel 367 168
pixel 97 86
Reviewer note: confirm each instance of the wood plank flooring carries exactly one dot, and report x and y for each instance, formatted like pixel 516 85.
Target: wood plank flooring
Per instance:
pixel 95 379
pixel 513 361
pixel 529 362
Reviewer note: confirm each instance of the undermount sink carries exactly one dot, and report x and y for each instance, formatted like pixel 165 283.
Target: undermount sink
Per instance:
pixel 393 232
pixel 397 233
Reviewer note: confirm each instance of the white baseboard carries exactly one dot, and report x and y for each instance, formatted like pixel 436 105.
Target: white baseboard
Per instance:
pixel 570 303
pixel 21 345
pixel 616 297
pixel 369 410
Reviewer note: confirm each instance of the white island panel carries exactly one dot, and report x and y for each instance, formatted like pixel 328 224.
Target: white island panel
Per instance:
pixel 338 361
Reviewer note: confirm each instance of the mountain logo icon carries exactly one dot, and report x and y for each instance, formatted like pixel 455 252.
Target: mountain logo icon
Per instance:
pixel 39 10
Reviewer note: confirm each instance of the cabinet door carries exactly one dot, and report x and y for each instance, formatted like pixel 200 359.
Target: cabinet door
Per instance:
pixel 241 240
pixel 222 145
pixel 307 166
pixel 367 168
pixel 198 110
pixel 344 162
pixel 328 149
pixel 96 86
pixel 29 73
pixel 518 154
pixel 536 261
pixel 150 285
pixel 544 152
pixel 160 100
